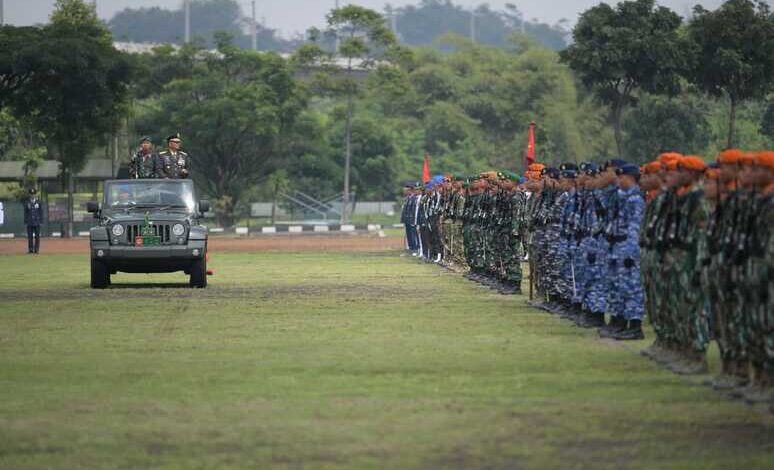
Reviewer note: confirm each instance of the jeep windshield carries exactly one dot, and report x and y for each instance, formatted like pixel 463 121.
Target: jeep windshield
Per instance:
pixel 150 194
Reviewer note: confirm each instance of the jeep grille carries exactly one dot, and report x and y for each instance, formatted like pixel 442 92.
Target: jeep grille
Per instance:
pixel 159 230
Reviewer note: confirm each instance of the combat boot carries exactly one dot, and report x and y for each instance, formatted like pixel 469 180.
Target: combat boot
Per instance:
pixel 760 391
pixel 631 333
pixel 616 325
pixel 726 380
pixel 694 363
pixel 592 320
pixel 653 350
pixel 510 288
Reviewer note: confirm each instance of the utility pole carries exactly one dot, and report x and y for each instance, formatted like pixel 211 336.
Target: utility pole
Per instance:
pixel 337 36
pixel 473 26
pixel 2 13
pixel 187 21
pixel 253 30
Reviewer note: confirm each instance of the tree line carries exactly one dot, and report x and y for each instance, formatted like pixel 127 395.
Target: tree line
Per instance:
pixel 636 80
pixel 415 25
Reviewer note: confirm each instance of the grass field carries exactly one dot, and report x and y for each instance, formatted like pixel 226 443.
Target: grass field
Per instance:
pixel 333 361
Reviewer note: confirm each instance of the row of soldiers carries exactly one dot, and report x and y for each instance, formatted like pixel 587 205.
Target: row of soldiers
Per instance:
pixel 172 163
pixel 684 243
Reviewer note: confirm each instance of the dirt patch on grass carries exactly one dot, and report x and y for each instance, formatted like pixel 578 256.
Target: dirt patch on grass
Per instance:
pixel 339 292
pixel 274 243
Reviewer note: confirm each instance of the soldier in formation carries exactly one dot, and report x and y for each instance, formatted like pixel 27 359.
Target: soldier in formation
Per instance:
pixel 684 243
pixel 707 238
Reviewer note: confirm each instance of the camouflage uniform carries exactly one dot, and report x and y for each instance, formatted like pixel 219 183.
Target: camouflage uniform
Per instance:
pixel 650 264
pixel 693 328
pixel 517 207
pixel 626 297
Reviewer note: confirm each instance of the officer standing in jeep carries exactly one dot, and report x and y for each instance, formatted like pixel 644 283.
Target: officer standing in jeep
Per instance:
pixel 145 163
pixel 173 162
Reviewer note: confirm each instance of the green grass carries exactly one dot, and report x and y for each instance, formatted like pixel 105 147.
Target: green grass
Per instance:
pixel 333 361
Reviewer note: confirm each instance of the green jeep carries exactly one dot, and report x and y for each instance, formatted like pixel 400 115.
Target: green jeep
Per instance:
pixel 148 226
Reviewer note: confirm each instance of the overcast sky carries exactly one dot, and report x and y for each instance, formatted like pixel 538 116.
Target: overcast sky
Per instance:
pixel 291 16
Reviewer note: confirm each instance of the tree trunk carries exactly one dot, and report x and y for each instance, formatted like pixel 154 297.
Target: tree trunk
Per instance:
pixel 617 117
pixel 69 182
pixel 731 124
pixel 348 153
pixel 274 204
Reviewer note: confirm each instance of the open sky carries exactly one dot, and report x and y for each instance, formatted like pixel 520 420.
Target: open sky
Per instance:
pixel 292 16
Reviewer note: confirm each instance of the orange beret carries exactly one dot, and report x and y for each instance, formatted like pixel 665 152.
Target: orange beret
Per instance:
pixel 712 173
pixel 672 164
pixel 747 158
pixel 730 156
pixel 765 159
pixel 538 167
pixel 692 162
pixel 665 158
pixel 651 167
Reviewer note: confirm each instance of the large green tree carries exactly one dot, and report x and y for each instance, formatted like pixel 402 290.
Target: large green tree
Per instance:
pixel 67 82
pixel 234 112
pixel 618 51
pixel 733 53
pixel 362 42
pixel 660 124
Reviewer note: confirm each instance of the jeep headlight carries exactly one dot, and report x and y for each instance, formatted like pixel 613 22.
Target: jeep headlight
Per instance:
pixel 118 230
pixel 178 230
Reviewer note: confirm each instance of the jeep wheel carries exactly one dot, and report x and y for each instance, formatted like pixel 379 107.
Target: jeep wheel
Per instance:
pixel 100 276
pixel 198 272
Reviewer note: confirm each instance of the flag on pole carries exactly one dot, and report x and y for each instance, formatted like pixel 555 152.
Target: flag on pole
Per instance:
pixel 531 144
pixel 426 169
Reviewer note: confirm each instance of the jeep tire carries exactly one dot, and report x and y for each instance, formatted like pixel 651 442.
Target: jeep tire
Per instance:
pixel 100 275
pixel 198 272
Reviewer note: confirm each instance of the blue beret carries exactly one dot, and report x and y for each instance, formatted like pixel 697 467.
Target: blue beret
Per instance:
pixel 614 163
pixel 589 168
pixel 628 169
pixel 522 180
pixel 551 172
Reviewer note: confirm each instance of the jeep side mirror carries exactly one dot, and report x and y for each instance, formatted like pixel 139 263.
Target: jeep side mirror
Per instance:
pixel 92 207
pixel 204 206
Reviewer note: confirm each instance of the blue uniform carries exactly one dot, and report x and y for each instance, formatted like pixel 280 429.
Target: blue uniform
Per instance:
pixel 597 274
pixel 626 297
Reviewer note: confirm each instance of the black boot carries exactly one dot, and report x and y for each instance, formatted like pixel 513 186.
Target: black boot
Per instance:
pixel 592 320
pixel 616 325
pixel 632 333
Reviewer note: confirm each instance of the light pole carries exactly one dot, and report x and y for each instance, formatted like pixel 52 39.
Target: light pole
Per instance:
pixel 253 30
pixel 336 50
pixel 473 26
pixel 187 21
pixel 2 13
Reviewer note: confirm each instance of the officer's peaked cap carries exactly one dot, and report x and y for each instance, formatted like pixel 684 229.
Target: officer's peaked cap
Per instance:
pixel 628 169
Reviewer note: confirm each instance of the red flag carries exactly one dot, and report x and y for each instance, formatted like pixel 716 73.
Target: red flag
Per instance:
pixel 531 144
pixel 426 169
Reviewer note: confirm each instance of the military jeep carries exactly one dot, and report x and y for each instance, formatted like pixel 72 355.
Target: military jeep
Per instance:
pixel 148 226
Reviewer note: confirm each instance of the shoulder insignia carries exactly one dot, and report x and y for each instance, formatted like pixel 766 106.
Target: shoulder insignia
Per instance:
pixel 163 152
